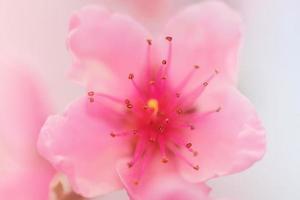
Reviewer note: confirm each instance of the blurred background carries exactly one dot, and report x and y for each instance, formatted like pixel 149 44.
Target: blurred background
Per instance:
pixel 35 31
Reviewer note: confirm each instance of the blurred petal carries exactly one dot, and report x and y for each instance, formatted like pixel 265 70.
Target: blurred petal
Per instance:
pixel 79 144
pixel 23 110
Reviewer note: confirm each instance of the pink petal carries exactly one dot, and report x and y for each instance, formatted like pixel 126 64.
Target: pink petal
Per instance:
pixel 23 110
pixel 207 35
pixel 78 143
pixel 228 141
pixel 161 183
pixel 106 47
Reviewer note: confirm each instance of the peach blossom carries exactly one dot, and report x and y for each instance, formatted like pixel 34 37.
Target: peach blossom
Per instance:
pixel 154 106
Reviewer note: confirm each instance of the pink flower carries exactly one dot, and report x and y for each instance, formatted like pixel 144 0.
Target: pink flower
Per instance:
pixel 155 108
pixel 24 174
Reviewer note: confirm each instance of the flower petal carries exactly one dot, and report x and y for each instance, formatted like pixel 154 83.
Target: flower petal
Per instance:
pixel 227 141
pixel 23 110
pixel 207 35
pixel 79 144
pixel 106 47
pixel 161 184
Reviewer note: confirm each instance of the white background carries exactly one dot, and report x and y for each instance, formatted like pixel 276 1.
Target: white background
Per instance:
pixel 35 30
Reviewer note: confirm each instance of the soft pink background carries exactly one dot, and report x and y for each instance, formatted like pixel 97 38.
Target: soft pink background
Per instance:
pixel 35 30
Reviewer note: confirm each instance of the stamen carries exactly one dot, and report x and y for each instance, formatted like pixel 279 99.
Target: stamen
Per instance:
pixel 193 96
pixel 188 77
pixel 181 144
pixel 94 97
pixel 207 113
pixel 137 88
pixel 183 158
pixel 145 161
pixel 124 133
pixel 162 148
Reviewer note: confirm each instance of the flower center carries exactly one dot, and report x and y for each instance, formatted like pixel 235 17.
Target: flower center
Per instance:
pixel 160 116
pixel 153 104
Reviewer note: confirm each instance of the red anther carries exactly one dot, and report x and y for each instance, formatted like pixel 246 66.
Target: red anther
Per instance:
pixel 149 41
pixel 91 93
pixel 129 106
pixel 161 128
pixel 179 111
pixel 151 82
pixel 134 131
pixel 177 95
pixel 188 145
pixel 130 164
pixel 130 76
pixel 164 62
pixel 219 109
pixel 192 127
pixel 167 120
pixel 196 66
pixel 196 167
pixel 205 84
pixel 164 160
pixel 169 38
pixel 92 100
pixel 136 182
pixel 164 78
pixel 112 134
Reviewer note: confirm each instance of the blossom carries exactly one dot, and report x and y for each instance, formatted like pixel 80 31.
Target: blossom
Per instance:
pixel 24 174
pixel 156 107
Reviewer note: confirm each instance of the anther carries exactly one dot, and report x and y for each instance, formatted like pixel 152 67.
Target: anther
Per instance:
pixel 91 93
pixel 136 182
pixel 167 120
pixel 151 82
pixel 149 42
pixel 130 76
pixel 134 131
pixel 188 145
pixel 205 84
pixel 192 127
pixel 179 111
pixel 164 62
pixel 196 66
pixel 219 109
pixel 164 160
pixel 130 164
pixel 164 78
pixel 169 38
pixel 177 95
pixel 112 134
pixel 152 139
pixel 216 71
pixel 129 106
pixel 161 129
pixel 196 167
